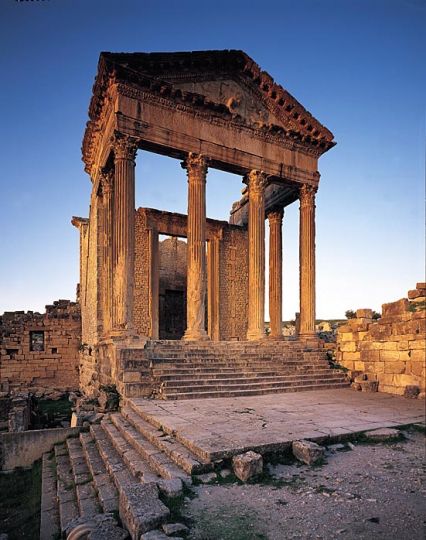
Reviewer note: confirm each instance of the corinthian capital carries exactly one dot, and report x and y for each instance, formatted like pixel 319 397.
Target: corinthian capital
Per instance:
pixel 125 147
pixel 196 166
pixel 276 215
pixel 256 181
pixel 307 195
pixel 106 177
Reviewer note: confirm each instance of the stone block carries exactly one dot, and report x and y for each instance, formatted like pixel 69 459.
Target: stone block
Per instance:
pixel 419 299
pixel 345 336
pixel 369 386
pixel 353 356
pixel 404 380
pixel 308 452
pixel 385 379
pixel 395 308
pixel 248 465
pixel 395 367
pixel 370 356
pixel 348 346
pixel 414 293
pixel 174 528
pixel 170 487
pixel 418 355
pixel 415 368
pixel 359 366
pixel 131 376
pixel 421 285
pixel 411 391
pixel 383 434
pixel 364 313
pixel 389 356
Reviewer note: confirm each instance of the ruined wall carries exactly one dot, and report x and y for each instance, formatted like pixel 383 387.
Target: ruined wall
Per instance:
pixel 233 284
pixel 392 350
pixel 53 362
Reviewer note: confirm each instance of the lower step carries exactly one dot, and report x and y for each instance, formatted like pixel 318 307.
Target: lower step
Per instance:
pixel 240 393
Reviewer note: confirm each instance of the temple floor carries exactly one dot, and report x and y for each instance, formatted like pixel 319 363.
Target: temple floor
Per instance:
pixel 214 429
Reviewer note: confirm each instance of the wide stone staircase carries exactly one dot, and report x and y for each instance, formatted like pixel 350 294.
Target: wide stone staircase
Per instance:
pixel 125 468
pixel 185 370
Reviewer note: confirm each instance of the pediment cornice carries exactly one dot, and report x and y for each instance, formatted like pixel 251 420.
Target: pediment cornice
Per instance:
pixel 156 76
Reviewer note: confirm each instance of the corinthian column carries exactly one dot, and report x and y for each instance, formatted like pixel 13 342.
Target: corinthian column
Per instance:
pixel 196 167
pixel 123 234
pixel 307 260
pixel 255 181
pixel 107 179
pixel 275 272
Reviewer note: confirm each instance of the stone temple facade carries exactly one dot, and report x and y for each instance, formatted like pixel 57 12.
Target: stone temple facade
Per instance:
pixel 212 109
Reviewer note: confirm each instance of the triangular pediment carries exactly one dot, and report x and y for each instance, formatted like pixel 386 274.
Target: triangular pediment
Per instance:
pixel 227 82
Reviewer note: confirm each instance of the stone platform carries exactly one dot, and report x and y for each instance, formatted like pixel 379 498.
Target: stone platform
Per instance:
pixel 214 429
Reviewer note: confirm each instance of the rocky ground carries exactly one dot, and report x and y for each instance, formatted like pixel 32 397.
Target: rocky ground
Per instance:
pixel 367 492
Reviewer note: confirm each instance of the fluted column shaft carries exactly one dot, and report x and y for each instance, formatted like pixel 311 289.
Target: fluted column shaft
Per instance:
pixel 307 260
pixel 123 234
pixel 196 167
pixel 256 247
pixel 275 272
pixel 106 262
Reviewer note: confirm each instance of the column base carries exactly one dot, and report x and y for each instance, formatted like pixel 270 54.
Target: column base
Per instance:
pixel 255 335
pixel 191 335
pixel 276 338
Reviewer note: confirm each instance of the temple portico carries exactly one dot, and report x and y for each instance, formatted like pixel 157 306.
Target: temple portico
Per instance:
pixel 209 110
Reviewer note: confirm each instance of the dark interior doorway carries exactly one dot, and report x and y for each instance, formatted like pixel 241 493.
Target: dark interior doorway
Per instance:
pixel 172 314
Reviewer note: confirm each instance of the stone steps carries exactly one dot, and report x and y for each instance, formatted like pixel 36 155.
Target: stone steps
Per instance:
pixel 244 377
pixel 106 490
pixel 140 508
pixel 197 394
pixel 177 452
pixel 66 492
pixel 214 369
pixel 49 519
pixel 159 462
pixel 87 500
pixel 242 384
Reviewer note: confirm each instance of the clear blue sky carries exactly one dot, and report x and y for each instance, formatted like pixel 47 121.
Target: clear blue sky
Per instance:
pixel 358 66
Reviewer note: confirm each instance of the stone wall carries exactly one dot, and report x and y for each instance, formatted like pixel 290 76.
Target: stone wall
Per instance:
pixel 142 308
pixel 29 362
pixel 391 350
pixel 233 285
pixel 232 268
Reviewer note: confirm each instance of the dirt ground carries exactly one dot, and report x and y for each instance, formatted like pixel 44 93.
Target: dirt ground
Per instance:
pixel 368 492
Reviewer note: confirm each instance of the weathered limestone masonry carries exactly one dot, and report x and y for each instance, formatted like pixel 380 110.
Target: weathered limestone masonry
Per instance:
pixel 207 109
pixel 392 350
pixel 41 350
pixel 227 281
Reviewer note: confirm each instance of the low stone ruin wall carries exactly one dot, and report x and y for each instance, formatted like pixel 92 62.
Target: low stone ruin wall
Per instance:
pixel 40 352
pixel 388 354
pixel 24 448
